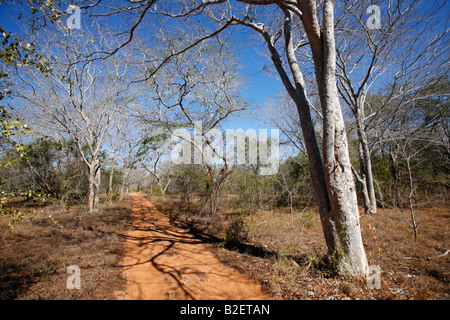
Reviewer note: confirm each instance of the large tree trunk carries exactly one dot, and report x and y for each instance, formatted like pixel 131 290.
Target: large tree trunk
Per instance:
pixel 341 224
pixel 331 180
pixel 298 95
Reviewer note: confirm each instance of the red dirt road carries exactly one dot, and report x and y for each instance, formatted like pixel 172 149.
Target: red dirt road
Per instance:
pixel 163 262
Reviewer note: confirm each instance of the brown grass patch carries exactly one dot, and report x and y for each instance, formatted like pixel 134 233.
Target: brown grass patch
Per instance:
pixel 36 253
pixel 285 253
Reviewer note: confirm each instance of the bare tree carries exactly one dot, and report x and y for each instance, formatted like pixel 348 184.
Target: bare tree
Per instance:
pixel 152 150
pixel 129 161
pixel 200 90
pixel 366 56
pixel 114 141
pixel 78 99
pixel 331 179
pixel 420 126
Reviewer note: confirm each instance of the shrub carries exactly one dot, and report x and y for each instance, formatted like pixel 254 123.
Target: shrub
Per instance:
pixel 237 231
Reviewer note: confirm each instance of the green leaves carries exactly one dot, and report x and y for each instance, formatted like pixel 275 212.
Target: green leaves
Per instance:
pixel 9 128
pixel 15 51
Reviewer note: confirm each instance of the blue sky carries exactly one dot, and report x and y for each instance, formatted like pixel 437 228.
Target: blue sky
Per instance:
pixel 258 86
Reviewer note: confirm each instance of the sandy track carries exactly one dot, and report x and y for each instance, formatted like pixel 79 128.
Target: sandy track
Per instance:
pixel 163 261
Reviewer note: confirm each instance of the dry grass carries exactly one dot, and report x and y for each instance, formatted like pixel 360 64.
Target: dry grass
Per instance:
pixel 281 251
pixel 285 252
pixel 36 253
pixel 411 269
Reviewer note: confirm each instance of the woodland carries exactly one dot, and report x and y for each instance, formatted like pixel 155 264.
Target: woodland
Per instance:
pixel 94 94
